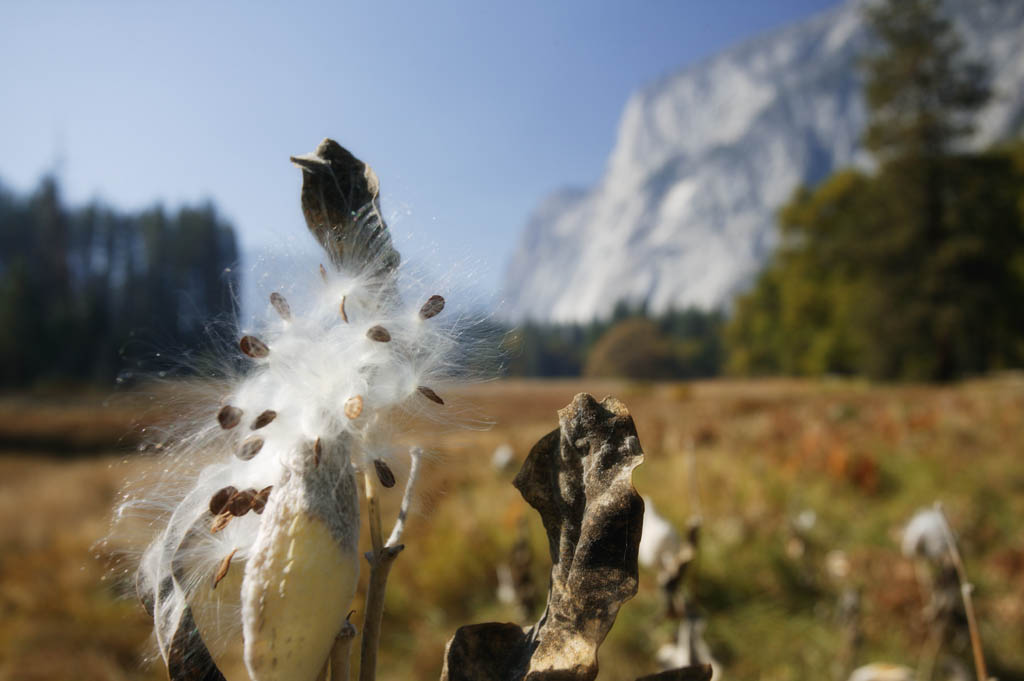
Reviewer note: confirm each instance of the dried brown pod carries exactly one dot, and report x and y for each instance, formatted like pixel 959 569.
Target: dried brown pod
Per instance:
pixel 250 448
pixel 259 502
pixel 341 309
pixel 354 406
pixel 378 333
pixel 429 394
pixel 318 447
pixel 253 347
pixel 323 272
pixel 222 571
pixel 219 500
pixel 221 521
pixel 263 419
pixel 241 502
pixel 281 305
pixel 432 307
pixel 384 474
pixel 228 417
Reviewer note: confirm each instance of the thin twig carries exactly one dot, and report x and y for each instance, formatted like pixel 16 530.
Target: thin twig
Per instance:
pixel 381 559
pixel 965 593
pixel 341 652
pixel 414 469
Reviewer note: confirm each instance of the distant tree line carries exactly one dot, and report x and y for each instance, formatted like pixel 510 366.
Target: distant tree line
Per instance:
pixel 632 343
pixel 84 292
pixel 915 271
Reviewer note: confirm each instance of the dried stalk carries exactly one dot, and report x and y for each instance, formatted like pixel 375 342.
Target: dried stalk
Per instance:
pixel 381 558
pixel 965 593
pixel 341 652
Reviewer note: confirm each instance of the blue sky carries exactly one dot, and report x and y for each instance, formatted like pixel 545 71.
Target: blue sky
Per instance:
pixel 470 112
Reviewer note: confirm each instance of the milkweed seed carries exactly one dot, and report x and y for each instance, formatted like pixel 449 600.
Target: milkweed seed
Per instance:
pixel 323 273
pixel 221 521
pixel 354 406
pixel 281 305
pixel 341 308
pixel 241 502
pixel 432 307
pixel 318 449
pixel 263 419
pixel 259 502
pixel 219 500
pixel 222 571
pixel 228 417
pixel 378 333
pixel 253 347
pixel 250 448
pixel 384 474
pixel 430 394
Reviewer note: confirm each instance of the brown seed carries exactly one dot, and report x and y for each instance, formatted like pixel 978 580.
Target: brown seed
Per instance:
pixel 378 333
pixel 241 502
pixel 430 394
pixel 281 305
pixel 253 347
pixel 384 474
pixel 432 307
pixel 222 571
pixel 341 308
pixel 250 448
pixel 354 406
pixel 219 500
pixel 318 449
pixel 228 417
pixel 263 419
pixel 221 521
pixel 259 502
pixel 323 273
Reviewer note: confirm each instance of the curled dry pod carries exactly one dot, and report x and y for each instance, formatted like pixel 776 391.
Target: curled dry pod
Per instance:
pixel 432 307
pixel 250 448
pixel 318 448
pixel 253 347
pixel 263 419
pixel 228 417
pixel 222 571
pixel 241 502
pixel 259 502
pixel 429 394
pixel 219 500
pixel 353 407
pixel 378 333
pixel 323 272
pixel 281 305
pixel 341 309
pixel 384 474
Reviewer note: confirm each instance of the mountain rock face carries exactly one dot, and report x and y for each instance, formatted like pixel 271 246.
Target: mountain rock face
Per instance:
pixel 685 212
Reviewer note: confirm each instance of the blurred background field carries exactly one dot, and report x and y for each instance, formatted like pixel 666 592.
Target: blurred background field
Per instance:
pixel 769 454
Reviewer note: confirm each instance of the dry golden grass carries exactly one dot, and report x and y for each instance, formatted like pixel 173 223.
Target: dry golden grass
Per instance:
pixel 863 457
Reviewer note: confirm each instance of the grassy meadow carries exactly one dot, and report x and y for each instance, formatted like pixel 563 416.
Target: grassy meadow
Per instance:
pixel 862 457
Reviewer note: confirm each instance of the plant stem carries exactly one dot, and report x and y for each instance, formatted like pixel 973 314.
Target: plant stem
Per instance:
pixel 341 652
pixel 965 593
pixel 381 559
